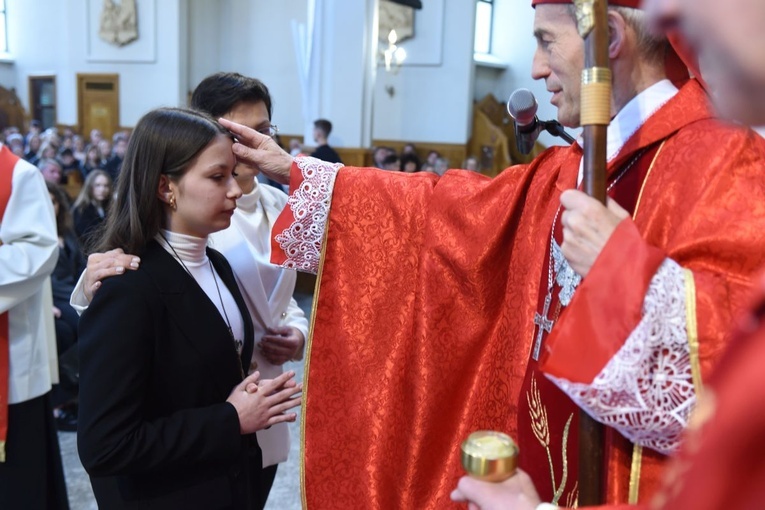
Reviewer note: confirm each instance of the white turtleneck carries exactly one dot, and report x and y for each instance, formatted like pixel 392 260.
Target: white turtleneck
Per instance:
pixel 193 258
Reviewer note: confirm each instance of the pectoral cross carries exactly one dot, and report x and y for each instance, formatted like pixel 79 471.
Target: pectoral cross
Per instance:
pixel 544 324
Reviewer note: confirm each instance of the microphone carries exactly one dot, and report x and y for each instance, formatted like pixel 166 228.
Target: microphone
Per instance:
pixel 522 107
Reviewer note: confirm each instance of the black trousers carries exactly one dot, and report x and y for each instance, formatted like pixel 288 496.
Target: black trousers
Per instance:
pixel 32 476
pixel 263 484
pixel 261 479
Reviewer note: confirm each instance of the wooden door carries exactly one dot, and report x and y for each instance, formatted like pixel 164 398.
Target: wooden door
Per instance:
pixel 98 100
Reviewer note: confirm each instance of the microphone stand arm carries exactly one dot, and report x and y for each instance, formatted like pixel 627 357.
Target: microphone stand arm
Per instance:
pixel 525 140
pixel 555 128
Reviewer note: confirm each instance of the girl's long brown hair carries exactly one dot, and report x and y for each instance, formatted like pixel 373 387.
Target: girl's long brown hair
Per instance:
pixel 164 142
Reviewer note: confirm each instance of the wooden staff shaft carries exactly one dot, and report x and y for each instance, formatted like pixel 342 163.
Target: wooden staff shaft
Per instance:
pixel 594 182
pixel 591 433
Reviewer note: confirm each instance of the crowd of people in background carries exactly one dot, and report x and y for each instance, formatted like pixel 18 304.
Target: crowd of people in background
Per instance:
pixel 67 158
pixel 382 157
pixel 409 162
pixel 86 170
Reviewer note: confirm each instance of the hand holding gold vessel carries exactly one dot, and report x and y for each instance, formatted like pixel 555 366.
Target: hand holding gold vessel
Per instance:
pixel 489 456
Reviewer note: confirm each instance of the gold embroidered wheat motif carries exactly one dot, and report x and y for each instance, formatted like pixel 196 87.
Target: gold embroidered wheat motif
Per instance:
pixel 541 427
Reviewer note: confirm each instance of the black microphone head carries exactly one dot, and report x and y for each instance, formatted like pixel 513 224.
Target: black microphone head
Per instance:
pixel 522 106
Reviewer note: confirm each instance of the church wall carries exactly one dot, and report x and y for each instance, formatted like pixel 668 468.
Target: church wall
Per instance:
pixel 8 75
pixel 255 38
pixel 432 103
pixel 50 37
pixel 252 37
pixel 344 70
pixel 183 84
pixel 205 39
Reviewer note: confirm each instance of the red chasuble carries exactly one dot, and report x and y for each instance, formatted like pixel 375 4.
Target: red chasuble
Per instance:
pixel 423 320
pixel 8 161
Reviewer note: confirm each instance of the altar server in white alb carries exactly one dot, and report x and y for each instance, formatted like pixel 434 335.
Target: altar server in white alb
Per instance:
pixel 31 474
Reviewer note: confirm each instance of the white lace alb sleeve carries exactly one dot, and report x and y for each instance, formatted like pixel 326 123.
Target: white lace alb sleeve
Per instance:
pixel 309 203
pixel 646 390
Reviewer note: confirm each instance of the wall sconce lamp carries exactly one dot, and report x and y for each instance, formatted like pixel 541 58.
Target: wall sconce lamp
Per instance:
pixel 393 55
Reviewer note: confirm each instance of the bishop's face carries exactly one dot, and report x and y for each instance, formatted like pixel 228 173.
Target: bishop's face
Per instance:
pixel 559 59
pixel 729 37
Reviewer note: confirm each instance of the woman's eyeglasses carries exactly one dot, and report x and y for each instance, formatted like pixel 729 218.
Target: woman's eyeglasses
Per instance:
pixel 269 131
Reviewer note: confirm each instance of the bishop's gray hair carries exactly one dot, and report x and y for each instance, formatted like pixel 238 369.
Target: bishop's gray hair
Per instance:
pixel 653 47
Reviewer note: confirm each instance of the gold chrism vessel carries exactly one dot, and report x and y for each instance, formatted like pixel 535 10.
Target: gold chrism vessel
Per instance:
pixel 489 456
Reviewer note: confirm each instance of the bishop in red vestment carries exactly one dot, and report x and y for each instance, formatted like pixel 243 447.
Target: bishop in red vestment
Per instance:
pixel 432 306
pixel 720 464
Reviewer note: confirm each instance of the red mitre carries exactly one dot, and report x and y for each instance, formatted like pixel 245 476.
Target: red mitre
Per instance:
pixel 679 64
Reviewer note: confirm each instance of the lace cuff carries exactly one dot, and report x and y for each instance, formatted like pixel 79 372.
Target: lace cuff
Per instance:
pixel 309 204
pixel 646 390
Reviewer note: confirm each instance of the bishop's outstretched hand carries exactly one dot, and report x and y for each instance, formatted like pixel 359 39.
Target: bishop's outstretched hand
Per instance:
pixel 261 151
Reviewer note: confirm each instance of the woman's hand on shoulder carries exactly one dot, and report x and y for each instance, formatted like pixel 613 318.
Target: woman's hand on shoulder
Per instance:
pixel 103 265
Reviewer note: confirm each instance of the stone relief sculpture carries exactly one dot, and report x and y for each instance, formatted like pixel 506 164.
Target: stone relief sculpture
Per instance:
pixel 119 22
pixel 393 16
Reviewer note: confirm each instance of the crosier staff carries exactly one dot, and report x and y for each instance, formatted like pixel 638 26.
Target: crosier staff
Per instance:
pixel 592 21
